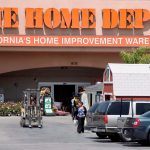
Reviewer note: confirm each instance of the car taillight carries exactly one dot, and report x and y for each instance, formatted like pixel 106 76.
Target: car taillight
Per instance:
pixel 136 123
pixel 105 119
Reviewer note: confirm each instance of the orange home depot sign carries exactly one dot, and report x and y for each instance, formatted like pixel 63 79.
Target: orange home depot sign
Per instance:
pixel 76 18
pixel 125 18
pixel 74 41
pixel 64 18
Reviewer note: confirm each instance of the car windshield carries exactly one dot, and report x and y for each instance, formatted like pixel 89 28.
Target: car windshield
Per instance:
pixel 93 108
pixel 147 114
pixel 102 108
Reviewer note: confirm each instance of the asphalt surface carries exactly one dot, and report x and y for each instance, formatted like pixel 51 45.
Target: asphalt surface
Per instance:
pixel 58 133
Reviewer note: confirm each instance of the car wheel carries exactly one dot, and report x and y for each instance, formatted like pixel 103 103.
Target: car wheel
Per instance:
pixel 124 136
pixel 100 136
pixel 125 139
pixel 114 138
pixel 148 138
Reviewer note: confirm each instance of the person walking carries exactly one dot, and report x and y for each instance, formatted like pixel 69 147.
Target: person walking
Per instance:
pixel 81 114
pixel 74 103
pixel 72 107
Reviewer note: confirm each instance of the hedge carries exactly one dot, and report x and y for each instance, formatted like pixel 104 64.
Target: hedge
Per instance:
pixel 10 108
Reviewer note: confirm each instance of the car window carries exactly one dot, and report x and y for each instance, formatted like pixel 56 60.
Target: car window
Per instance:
pixel 102 108
pixel 117 108
pixel 147 114
pixel 141 108
pixel 93 108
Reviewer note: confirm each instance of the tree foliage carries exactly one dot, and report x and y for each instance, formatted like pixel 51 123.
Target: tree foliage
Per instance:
pixel 136 56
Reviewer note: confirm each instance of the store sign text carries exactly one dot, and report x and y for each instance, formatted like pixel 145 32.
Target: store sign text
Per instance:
pixel 52 18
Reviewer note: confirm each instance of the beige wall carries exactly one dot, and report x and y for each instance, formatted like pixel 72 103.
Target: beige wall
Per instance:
pixel 13 61
pixel 91 66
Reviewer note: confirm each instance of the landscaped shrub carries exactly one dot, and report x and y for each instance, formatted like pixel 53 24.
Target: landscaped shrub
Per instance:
pixel 10 108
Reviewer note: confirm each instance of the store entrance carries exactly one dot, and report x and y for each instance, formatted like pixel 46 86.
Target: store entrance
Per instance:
pixel 64 94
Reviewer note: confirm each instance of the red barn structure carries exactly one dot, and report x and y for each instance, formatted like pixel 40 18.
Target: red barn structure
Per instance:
pixel 126 82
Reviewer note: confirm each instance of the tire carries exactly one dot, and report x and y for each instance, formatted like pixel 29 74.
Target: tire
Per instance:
pixel 40 126
pixel 22 123
pixel 100 136
pixel 114 138
pixel 148 138
pixel 124 137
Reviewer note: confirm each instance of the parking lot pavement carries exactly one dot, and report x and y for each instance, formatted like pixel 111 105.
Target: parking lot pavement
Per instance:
pixel 58 133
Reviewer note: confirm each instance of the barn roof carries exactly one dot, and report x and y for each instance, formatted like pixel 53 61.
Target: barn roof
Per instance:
pixel 130 68
pixel 130 79
pixel 94 88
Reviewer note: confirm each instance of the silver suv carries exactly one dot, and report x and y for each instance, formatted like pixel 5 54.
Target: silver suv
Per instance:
pixel 92 115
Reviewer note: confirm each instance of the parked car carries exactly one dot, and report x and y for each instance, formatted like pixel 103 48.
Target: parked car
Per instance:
pixel 104 119
pixel 137 128
pixel 91 115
